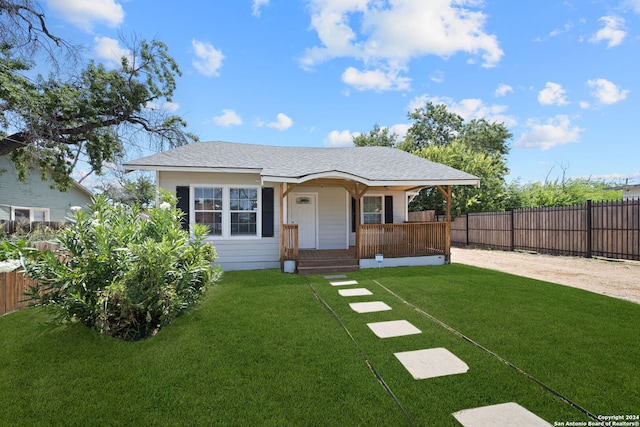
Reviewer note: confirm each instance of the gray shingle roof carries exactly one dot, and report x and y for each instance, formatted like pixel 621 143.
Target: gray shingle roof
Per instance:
pixel 373 164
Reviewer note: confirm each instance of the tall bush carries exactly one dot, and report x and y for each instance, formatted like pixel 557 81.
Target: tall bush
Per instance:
pixel 123 271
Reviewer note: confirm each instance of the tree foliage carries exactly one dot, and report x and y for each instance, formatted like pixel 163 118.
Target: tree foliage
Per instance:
pixel 559 192
pixel 124 272
pixel 376 137
pixel 52 122
pixel 489 168
pixel 140 190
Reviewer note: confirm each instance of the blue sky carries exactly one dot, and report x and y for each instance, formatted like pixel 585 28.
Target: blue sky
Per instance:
pixel 562 75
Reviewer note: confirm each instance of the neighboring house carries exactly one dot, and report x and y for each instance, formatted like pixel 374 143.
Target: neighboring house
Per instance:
pixel 628 191
pixel 266 205
pixel 35 200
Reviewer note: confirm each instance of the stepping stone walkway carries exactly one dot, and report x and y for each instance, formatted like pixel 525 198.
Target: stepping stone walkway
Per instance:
pixel 436 362
pixel 344 283
pixel 357 292
pixel 502 415
pixel 394 328
pixel 369 307
pixel 431 363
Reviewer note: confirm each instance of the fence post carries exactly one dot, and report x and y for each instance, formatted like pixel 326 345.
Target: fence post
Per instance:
pixel 513 234
pixel 589 227
pixel 467 228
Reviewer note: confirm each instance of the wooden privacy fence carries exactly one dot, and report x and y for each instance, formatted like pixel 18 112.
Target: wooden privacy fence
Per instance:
pixel 13 284
pixel 606 229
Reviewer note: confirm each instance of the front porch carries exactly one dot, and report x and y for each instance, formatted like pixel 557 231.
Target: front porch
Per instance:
pixel 407 240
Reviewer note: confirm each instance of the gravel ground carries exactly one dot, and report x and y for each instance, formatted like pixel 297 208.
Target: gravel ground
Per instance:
pixel 614 278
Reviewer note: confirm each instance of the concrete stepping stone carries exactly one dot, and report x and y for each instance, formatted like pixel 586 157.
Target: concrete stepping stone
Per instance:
pixel 502 415
pixel 394 328
pixel 336 276
pixel 431 363
pixel 343 282
pixel 354 292
pixel 369 307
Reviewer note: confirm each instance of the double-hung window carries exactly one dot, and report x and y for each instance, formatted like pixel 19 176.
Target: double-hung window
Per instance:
pixel 243 207
pixel 208 208
pixel 372 210
pixel 227 211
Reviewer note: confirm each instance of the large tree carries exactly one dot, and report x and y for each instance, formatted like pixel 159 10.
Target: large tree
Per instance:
pixel 478 147
pixel 53 122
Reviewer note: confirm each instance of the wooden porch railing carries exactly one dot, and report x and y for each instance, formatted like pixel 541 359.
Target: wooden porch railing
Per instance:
pixel 405 240
pixel 290 241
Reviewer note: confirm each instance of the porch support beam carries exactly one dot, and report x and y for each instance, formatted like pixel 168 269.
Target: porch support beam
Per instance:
pixel 447 194
pixel 288 190
pixel 281 226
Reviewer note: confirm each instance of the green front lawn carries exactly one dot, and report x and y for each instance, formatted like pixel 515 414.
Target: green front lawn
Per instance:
pixel 262 350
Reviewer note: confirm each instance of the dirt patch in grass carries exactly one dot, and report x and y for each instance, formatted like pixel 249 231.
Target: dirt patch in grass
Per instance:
pixel 619 279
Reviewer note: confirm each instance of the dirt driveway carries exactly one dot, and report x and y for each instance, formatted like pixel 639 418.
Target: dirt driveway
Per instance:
pixel 619 279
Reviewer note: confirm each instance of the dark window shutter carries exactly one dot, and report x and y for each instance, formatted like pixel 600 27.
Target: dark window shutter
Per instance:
pixel 353 214
pixel 182 193
pixel 268 209
pixel 388 209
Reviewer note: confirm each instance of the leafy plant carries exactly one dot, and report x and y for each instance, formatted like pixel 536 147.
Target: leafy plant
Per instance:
pixel 123 271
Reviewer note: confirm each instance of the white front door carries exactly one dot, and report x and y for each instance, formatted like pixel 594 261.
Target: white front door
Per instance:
pixel 303 213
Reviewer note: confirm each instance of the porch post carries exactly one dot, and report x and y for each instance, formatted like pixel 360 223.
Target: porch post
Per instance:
pixel 357 226
pixel 447 238
pixel 281 226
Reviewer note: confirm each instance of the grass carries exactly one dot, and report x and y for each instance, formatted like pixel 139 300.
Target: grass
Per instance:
pixel 261 350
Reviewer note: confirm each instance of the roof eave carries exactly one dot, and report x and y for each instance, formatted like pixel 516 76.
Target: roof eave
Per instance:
pixel 130 167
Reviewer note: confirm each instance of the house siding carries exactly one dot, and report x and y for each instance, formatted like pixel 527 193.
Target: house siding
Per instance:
pixel 234 253
pixel 36 193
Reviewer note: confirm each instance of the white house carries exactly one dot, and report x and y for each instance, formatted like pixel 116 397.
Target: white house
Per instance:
pixel 266 204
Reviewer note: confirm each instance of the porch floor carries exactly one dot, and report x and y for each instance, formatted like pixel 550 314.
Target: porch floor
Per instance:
pixel 327 261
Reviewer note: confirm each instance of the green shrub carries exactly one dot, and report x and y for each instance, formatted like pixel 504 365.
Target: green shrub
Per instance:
pixel 123 271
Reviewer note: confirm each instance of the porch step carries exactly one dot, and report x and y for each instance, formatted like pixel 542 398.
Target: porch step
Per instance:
pixel 336 265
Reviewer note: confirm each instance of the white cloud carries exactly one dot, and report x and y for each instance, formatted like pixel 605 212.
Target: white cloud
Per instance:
pixel 387 35
pixel 340 138
pixel 85 13
pixel 469 109
pixel 613 31
pixel 227 118
pixel 633 4
pixel 167 106
pixel 503 90
pixel 584 105
pixel 606 92
pixel 437 76
pixel 208 59
pixel 283 122
pixel 400 130
pixel 556 131
pixel 374 80
pixel 257 5
pixel 109 49
pixel 552 94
